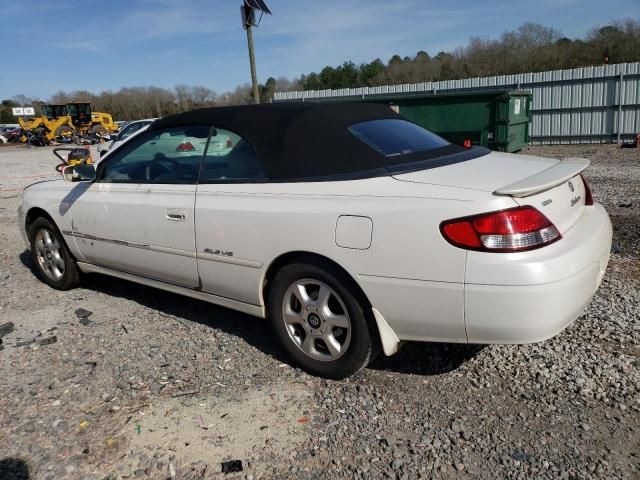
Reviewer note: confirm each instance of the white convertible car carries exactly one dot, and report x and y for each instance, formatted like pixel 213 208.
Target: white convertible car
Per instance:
pixel 348 227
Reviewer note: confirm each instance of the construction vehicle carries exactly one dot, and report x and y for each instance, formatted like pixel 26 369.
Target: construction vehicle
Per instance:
pixel 64 122
pixel 54 122
pixel 85 120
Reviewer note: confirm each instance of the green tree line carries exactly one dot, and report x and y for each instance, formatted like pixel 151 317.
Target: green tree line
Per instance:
pixel 529 48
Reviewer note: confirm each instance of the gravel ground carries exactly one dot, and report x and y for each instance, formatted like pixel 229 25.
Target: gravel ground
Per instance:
pixel 154 385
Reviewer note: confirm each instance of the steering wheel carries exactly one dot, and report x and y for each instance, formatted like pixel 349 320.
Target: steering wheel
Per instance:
pixel 156 161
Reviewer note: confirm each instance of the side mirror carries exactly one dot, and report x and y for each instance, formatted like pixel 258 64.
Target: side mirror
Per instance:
pixel 79 173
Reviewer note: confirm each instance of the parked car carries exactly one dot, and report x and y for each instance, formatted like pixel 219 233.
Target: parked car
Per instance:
pixel 348 227
pixel 125 132
pixel 11 134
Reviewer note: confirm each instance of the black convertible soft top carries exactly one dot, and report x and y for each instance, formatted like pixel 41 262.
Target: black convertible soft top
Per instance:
pixel 311 141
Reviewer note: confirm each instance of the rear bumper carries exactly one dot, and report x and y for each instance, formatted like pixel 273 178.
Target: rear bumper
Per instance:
pixel 549 288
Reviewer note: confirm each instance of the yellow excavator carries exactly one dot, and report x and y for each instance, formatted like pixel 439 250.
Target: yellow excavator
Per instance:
pixel 64 121
pixel 54 122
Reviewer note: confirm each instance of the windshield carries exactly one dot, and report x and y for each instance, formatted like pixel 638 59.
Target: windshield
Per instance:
pixel 392 137
pixel 131 129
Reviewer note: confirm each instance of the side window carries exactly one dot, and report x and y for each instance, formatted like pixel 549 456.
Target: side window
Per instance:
pixel 172 155
pixel 230 159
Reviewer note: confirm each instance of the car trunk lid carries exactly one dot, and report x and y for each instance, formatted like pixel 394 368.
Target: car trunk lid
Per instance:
pixel 552 186
pixel 558 193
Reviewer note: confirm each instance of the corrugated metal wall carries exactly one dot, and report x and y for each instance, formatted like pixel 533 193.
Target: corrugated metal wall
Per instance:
pixel 580 105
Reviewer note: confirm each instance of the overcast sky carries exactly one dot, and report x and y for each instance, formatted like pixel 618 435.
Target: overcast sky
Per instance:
pixel 84 44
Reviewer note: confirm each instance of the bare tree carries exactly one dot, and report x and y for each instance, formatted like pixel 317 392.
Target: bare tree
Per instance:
pixel 22 100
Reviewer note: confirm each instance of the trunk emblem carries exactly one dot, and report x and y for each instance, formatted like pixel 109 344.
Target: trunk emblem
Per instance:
pixel 571 186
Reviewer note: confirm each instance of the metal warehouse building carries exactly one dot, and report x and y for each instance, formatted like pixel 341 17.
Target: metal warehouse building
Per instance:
pixel 581 105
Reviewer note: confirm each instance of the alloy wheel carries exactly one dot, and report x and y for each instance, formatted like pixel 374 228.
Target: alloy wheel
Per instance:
pixel 316 319
pixel 49 254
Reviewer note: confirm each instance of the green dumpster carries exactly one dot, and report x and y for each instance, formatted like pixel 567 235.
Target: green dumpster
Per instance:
pixel 497 120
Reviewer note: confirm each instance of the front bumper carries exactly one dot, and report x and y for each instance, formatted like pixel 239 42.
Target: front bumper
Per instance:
pixel 534 295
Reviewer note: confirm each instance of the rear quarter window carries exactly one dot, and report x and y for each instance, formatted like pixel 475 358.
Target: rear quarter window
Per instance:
pixel 393 137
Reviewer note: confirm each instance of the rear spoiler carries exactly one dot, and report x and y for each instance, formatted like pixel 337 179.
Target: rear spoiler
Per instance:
pixel 562 171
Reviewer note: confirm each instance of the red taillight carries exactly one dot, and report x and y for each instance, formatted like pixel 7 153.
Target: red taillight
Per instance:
pixel 461 233
pixel 523 220
pixel 513 230
pixel 588 198
pixel 185 147
pixel 466 143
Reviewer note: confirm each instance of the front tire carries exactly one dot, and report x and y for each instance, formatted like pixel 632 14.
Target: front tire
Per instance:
pixel 54 263
pixel 320 321
pixel 64 131
pixel 99 130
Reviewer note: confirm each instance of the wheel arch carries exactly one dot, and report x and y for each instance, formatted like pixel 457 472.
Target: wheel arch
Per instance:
pixel 302 256
pixel 38 212
pixel 35 213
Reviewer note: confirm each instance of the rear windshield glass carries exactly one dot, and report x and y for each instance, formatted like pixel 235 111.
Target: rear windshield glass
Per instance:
pixel 392 137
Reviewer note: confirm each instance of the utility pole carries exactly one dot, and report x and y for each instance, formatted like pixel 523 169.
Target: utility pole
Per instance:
pixel 252 61
pixel 249 20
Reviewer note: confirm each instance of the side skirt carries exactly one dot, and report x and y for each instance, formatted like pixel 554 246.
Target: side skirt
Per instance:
pixel 254 310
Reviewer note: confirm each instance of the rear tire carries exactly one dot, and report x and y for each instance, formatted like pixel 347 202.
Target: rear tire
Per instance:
pixel 54 263
pixel 320 321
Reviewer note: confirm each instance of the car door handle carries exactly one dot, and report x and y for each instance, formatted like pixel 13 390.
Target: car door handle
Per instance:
pixel 176 215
